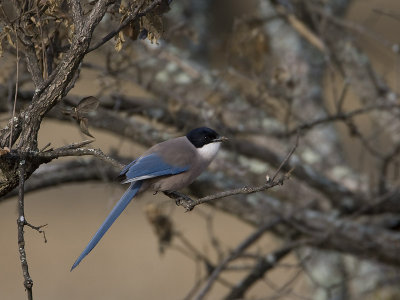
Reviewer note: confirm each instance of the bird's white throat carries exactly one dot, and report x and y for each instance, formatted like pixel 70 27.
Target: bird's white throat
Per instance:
pixel 208 151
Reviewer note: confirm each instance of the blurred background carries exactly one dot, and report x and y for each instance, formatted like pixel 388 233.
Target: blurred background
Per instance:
pixel 263 73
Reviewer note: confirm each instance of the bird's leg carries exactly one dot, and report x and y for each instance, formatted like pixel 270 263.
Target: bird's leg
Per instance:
pixel 181 199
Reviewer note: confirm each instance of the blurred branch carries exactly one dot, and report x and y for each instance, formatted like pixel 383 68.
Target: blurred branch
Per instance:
pixel 340 116
pixel 73 171
pixel 235 253
pixel 339 196
pixel 327 230
pixel 76 150
pixel 355 66
pixel 263 265
pixel 300 27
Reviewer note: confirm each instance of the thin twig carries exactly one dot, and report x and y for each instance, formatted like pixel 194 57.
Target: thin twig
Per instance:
pixel 74 150
pixel 286 158
pixel 28 282
pixel 38 229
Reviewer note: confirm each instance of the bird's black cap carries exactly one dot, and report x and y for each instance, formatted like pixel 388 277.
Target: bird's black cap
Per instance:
pixel 202 136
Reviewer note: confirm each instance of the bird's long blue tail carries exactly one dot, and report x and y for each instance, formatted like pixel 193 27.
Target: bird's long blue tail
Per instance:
pixel 114 214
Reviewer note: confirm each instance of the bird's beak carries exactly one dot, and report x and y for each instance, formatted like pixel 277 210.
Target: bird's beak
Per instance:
pixel 220 139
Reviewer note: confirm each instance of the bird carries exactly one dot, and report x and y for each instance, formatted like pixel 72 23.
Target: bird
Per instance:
pixel 168 166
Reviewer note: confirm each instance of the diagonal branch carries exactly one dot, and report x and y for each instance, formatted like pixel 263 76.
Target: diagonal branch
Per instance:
pixel 264 264
pixel 235 253
pixel 75 150
pixel 77 15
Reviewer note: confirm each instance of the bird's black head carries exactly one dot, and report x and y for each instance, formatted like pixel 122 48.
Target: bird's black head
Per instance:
pixel 202 136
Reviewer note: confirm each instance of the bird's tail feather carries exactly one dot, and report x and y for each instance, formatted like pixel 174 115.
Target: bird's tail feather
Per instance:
pixel 114 214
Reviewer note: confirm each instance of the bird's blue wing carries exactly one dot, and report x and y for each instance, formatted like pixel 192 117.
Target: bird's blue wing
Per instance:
pixel 114 214
pixel 150 166
pixel 126 168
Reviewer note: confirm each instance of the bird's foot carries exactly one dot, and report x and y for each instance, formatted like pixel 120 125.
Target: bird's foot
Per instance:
pixel 181 200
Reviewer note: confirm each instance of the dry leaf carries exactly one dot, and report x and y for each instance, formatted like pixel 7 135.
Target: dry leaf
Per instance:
pixel 87 105
pixel 4 150
pixel 120 41
pixel 153 24
pixel 149 26
pixel 84 123
pixel 10 40
pixel 132 31
pixel 81 111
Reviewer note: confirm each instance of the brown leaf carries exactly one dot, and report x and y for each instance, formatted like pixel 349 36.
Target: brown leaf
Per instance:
pixel 154 25
pixel 84 107
pixel 10 40
pixel 84 123
pixel 87 105
pixel 81 111
pixel 163 7
pixel 120 41
pixel 132 31
pixel 4 150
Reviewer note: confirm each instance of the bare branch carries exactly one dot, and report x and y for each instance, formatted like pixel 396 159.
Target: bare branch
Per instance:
pixel 189 203
pixel 67 172
pixel 28 282
pixel 75 150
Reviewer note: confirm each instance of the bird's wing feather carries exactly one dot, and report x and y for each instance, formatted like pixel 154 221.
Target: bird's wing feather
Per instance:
pixel 126 168
pixel 150 166
pixel 114 214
